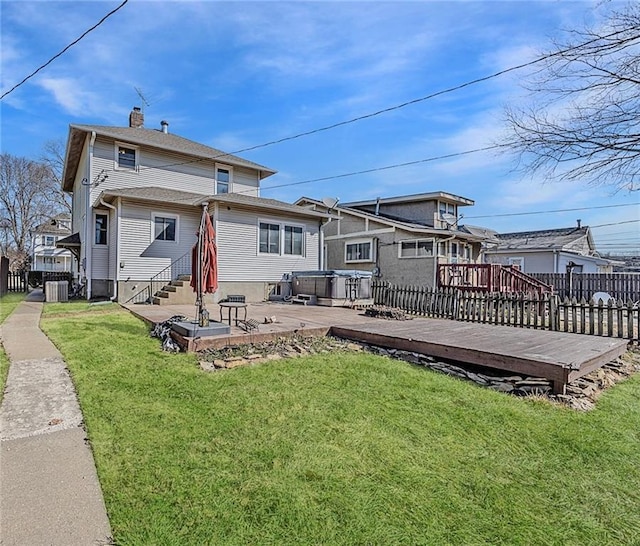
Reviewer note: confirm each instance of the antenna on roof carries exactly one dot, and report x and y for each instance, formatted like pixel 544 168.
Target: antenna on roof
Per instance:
pixel 330 202
pixel 144 100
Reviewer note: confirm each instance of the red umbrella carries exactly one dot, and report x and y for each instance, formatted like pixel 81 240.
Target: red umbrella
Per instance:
pixel 204 262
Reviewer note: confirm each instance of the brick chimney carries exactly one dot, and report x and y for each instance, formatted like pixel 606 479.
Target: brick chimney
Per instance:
pixel 136 117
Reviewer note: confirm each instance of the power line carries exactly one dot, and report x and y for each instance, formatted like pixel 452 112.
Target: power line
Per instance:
pixel 377 169
pixel 405 104
pixel 550 211
pixel 615 224
pixel 64 50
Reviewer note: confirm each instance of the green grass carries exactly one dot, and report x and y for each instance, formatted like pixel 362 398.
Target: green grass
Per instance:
pixel 341 449
pixel 8 303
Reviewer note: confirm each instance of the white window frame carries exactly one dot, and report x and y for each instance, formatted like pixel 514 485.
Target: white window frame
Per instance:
pixel 281 231
pixel 46 239
pixel 352 242
pixel 175 217
pixel 516 260
pixel 416 241
pixel 95 220
pixel 219 166
pixel 136 150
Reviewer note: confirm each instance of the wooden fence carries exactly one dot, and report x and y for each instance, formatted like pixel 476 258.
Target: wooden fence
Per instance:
pixel 622 286
pixel 613 318
pixel 17 281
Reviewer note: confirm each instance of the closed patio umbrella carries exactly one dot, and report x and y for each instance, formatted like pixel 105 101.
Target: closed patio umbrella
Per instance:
pixel 204 265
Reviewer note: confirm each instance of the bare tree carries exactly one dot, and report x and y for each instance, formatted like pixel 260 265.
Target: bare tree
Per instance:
pixel 53 156
pixel 583 122
pixel 28 197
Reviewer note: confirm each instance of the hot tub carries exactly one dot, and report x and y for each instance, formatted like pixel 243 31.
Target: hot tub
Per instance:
pixel 334 286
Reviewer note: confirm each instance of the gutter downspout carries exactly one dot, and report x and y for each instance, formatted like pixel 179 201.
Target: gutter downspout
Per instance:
pixel 88 218
pixel 117 215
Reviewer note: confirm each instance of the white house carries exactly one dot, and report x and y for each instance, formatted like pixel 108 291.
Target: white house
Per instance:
pixel 138 196
pixel 45 256
pixel 549 251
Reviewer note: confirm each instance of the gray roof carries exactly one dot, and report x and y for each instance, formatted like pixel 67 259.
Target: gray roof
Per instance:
pixel 553 239
pixel 431 196
pixel 407 226
pixel 147 137
pixel 163 195
pixel 52 225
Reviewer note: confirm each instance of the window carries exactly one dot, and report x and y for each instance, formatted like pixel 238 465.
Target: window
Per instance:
pixel 223 179
pixel 126 156
pixel 164 228
pixel 293 240
pixel 516 262
pixel 269 238
pixel 101 229
pixel 446 208
pixel 358 251
pixel 420 248
pixel 49 240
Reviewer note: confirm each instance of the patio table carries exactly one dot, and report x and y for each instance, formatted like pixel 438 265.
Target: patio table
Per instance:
pixel 230 306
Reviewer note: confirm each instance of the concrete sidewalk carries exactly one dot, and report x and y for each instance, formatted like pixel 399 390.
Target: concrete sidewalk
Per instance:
pixel 49 489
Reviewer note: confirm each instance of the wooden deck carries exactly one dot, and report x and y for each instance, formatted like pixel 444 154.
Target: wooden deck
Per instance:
pixel 558 356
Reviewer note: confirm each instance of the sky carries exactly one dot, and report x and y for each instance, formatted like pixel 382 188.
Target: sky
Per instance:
pixel 234 75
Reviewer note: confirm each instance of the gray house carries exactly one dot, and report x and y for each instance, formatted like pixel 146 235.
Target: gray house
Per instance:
pixel 400 239
pixel 138 196
pixel 548 251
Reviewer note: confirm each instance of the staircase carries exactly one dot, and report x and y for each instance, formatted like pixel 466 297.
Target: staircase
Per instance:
pixel 488 278
pixel 175 292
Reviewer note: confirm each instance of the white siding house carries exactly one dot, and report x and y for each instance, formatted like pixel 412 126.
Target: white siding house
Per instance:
pixel 138 196
pixel 45 256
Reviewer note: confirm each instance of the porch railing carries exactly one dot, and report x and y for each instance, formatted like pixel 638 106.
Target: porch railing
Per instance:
pixel 488 278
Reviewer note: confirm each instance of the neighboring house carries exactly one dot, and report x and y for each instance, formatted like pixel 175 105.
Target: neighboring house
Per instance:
pixel 400 239
pixel 138 196
pixel 45 256
pixel 549 251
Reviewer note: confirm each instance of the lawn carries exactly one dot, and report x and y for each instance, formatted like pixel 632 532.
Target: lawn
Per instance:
pixel 8 303
pixel 344 448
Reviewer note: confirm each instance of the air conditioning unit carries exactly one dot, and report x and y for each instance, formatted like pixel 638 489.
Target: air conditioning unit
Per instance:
pixel 55 291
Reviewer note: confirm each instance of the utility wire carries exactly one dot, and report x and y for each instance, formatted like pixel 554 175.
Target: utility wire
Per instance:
pixel 549 211
pixel 615 224
pixel 64 50
pixel 376 169
pixel 407 103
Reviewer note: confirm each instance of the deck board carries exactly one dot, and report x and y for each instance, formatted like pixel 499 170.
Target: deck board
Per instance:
pixel 558 356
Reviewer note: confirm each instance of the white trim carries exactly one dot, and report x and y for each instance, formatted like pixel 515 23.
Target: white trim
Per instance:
pixel 416 241
pixel 104 213
pixel 371 258
pixel 155 215
pixel 281 228
pixel 116 152
pixel 215 176
pixel 360 234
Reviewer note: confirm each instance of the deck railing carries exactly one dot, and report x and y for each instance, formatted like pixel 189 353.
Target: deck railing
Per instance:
pixel 613 318
pixel 488 278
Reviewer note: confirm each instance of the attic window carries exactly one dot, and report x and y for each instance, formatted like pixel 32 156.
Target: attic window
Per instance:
pixel 126 156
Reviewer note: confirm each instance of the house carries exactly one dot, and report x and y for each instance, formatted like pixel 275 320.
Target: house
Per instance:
pixel 400 239
pixel 45 256
pixel 138 196
pixel 549 251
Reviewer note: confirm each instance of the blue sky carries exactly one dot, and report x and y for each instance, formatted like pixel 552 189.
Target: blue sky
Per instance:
pixel 238 74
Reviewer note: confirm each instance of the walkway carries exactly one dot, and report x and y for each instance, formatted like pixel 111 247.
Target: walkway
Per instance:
pixel 49 489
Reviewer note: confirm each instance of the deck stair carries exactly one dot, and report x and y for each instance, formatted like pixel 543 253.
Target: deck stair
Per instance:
pixel 489 278
pixel 175 292
pixel 305 299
